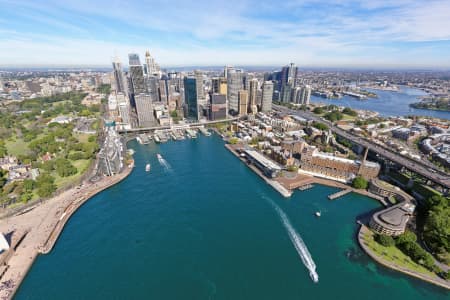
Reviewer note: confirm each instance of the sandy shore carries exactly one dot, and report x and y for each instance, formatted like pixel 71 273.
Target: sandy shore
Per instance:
pixel 44 224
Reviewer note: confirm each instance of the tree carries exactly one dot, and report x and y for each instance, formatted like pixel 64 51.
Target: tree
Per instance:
pixel 91 139
pixel 318 110
pixel 48 165
pixel 233 140
pixel 320 126
pixel 436 231
pixel 385 240
pixel 28 185
pixel 26 197
pixel 349 111
pixel 333 116
pixel 46 189
pixel 360 183
pixel 407 237
pixel 64 168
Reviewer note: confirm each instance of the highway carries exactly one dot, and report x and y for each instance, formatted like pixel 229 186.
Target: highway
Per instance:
pixel 433 174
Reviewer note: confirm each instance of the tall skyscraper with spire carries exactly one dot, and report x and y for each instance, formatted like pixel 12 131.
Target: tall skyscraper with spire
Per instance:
pixel 152 67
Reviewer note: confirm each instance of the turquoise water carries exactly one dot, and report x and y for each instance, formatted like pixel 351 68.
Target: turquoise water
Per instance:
pixel 388 103
pixel 204 228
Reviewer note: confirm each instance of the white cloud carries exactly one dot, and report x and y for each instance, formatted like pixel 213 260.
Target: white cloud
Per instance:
pixel 231 32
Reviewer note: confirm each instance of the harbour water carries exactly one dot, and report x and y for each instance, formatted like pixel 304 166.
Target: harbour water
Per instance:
pixel 201 225
pixel 388 103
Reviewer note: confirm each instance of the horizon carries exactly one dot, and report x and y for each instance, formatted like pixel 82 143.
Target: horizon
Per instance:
pixel 407 34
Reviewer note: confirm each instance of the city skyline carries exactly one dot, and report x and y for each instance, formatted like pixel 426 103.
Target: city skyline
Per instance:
pixel 404 34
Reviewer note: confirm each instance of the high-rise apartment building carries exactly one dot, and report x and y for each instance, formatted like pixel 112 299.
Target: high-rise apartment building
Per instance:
pixel 267 93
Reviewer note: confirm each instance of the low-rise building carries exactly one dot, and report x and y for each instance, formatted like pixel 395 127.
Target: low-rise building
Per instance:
pixel 392 221
pixel 337 168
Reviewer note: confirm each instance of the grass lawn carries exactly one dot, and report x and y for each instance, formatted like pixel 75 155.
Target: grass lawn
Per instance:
pixel 17 147
pixel 394 255
pixel 82 137
pixel 81 166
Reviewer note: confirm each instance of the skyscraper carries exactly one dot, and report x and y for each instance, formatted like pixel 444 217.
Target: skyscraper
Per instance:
pixel 267 92
pixel 243 102
pixel 305 94
pixel 119 79
pixel 124 109
pixel 288 81
pixel 136 74
pixel 201 100
pixel 218 108
pixel 253 89
pixel 144 109
pixel 190 97
pixel 152 67
pixel 234 85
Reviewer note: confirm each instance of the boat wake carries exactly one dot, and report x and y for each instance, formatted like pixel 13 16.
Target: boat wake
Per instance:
pixel 164 163
pixel 298 243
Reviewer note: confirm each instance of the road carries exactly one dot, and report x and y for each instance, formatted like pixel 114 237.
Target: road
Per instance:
pixel 145 129
pixel 433 174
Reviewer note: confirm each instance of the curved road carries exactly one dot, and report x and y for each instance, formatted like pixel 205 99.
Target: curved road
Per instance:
pixel 433 174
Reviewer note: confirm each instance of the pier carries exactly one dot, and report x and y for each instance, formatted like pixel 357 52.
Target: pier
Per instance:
pixel 275 184
pixel 339 194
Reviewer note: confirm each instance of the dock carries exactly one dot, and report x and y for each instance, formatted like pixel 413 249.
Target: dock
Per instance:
pixel 273 183
pixel 339 194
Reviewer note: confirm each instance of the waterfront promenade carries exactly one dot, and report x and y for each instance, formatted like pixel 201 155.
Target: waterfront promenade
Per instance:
pixel 378 257
pixel 44 224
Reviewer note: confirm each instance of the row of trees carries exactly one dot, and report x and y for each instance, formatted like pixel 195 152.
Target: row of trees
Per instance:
pixel 436 231
pixel 407 243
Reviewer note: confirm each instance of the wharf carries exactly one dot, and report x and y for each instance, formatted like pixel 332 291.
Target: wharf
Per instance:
pixel 275 184
pixel 339 194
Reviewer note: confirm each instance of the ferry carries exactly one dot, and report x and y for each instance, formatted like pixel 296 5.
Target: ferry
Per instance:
pixel 318 214
pixel 158 156
pixel 147 168
pixel 205 131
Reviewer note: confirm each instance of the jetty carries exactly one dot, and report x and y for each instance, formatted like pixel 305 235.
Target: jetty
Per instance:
pixel 273 183
pixel 339 194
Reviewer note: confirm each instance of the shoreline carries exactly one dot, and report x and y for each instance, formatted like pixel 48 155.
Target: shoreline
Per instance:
pixel 435 281
pixel 307 180
pixel 43 226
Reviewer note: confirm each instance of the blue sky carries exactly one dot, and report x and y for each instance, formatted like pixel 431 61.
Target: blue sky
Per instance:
pixel 331 33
